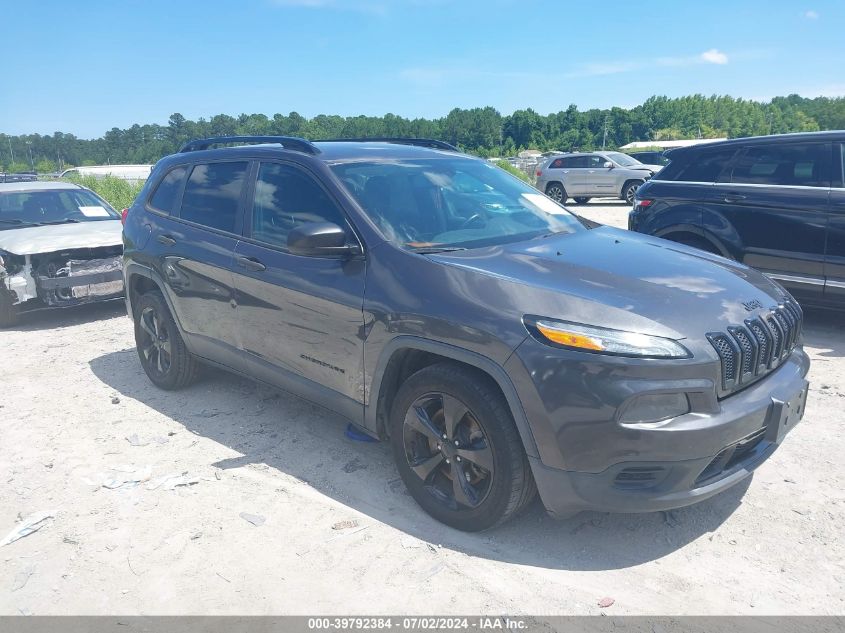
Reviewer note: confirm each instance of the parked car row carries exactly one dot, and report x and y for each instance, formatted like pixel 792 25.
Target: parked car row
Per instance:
pixel 775 203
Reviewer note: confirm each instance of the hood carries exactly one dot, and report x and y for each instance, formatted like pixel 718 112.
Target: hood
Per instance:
pixel 32 240
pixel 654 168
pixel 618 279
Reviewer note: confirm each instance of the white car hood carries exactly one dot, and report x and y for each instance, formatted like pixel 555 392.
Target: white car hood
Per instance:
pixel 59 237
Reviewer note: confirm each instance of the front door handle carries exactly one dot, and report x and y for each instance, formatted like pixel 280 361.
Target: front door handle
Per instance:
pixel 734 197
pixel 166 240
pixel 250 263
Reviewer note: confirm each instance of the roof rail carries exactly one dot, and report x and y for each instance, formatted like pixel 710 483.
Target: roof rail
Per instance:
pixel 288 142
pixel 420 142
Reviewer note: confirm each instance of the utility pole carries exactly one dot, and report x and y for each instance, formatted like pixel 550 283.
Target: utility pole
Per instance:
pixel 29 149
pixel 604 140
pixel 11 151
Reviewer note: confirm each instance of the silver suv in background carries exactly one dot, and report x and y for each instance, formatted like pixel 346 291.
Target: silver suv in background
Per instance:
pixel 586 175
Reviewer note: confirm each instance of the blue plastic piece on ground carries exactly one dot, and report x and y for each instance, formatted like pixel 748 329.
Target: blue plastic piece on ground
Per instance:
pixel 354 434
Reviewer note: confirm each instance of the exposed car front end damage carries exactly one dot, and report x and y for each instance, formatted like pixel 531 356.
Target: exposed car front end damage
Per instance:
pixel 64 278
pixel 51 258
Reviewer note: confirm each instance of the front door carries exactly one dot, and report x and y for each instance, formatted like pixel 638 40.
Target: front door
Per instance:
pixel 599 180
pixel 300 319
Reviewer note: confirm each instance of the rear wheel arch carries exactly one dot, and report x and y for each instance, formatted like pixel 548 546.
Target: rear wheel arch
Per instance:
pixel 404 356
pixel 697 240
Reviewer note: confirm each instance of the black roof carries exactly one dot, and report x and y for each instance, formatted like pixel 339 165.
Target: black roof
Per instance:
pixel 326 150
pixel 796 137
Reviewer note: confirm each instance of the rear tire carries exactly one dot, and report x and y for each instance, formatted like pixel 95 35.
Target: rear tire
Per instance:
pixel 556 192
pixel 457 449
pixel 164 357
pixel 581 200
pixel 8 312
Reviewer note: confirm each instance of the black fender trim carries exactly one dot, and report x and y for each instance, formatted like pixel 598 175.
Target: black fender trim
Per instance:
pixel 134 268
pixel 697 231
pixel 482 363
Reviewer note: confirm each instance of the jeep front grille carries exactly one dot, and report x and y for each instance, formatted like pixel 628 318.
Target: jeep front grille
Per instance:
pixel 751 350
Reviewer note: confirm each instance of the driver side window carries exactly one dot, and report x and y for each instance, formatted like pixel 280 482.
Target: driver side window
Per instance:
pixel 286 197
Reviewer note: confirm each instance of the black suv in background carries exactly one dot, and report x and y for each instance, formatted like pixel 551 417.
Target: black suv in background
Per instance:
pixel 776 203
pixel 500 344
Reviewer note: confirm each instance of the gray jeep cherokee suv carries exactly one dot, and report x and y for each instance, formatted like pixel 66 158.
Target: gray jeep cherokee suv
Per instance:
pixel 501 345
pixel 593 174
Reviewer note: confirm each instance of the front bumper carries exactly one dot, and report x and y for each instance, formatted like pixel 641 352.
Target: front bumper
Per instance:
pixel 645 468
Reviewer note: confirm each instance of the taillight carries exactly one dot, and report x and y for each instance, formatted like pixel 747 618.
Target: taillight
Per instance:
pixel 642 204
pixel 123 215
pixel 539 173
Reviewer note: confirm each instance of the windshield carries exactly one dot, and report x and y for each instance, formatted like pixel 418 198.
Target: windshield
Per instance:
pixel 57 206
pixel 623 159
pixel 441 203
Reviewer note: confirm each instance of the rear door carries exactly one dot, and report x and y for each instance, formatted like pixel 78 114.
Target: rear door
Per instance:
pixel 196 246
pixel 835 254
pixel 299 317
pixel 775 196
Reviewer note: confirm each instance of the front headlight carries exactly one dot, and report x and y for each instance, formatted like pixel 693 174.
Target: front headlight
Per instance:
pixel 588 338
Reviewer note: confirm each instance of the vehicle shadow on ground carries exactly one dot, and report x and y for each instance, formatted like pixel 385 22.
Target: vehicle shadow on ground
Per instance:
pixel 304 441
pixel 51 319
pixel 824 333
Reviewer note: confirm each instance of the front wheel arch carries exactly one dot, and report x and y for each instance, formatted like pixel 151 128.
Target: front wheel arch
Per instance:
pixel 405 355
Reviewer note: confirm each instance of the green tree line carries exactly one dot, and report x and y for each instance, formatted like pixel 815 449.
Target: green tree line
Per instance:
pixel 483 131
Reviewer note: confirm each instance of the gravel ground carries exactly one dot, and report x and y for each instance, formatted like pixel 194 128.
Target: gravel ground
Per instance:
pixel 77 411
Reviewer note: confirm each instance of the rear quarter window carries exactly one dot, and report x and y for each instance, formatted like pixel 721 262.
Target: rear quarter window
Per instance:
pixel 164 197
pixel 697 166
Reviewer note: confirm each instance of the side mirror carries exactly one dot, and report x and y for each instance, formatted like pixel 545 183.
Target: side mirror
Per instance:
pixel 321 239
pixel 608 165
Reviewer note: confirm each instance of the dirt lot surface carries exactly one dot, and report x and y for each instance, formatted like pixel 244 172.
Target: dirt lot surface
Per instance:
pixel 77 412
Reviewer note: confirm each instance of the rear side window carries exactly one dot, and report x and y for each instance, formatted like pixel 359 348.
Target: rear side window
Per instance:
pixel 698 167
pixel 285 198
pixel 796 164
pixel 213 193
pixel 164 198
pixel 557 163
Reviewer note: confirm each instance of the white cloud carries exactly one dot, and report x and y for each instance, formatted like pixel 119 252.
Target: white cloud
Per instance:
pixel 714 56
pixel 811 15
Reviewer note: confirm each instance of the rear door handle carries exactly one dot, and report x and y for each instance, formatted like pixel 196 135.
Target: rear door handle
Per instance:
pixel 734 197
pixel 166 240
pixel 250 263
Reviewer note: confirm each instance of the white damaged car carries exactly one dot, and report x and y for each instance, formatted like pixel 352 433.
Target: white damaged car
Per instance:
pixel 60 245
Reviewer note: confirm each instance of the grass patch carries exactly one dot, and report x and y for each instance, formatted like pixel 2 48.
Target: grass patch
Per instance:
pixel 117 192
pixel 503 164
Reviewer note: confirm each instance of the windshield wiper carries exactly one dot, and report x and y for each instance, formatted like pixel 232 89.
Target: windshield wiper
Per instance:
pixel 428 250
pixel 65 221
pixel 20 222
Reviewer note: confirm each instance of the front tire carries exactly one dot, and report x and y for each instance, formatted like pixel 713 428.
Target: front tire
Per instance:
pixel 556 192
pixel 164 357
pixel 8 312
pixel 457 449
pixel 581 200
pixel 630 190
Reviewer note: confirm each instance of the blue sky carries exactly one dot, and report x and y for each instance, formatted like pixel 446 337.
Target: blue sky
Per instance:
pixel 85 67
